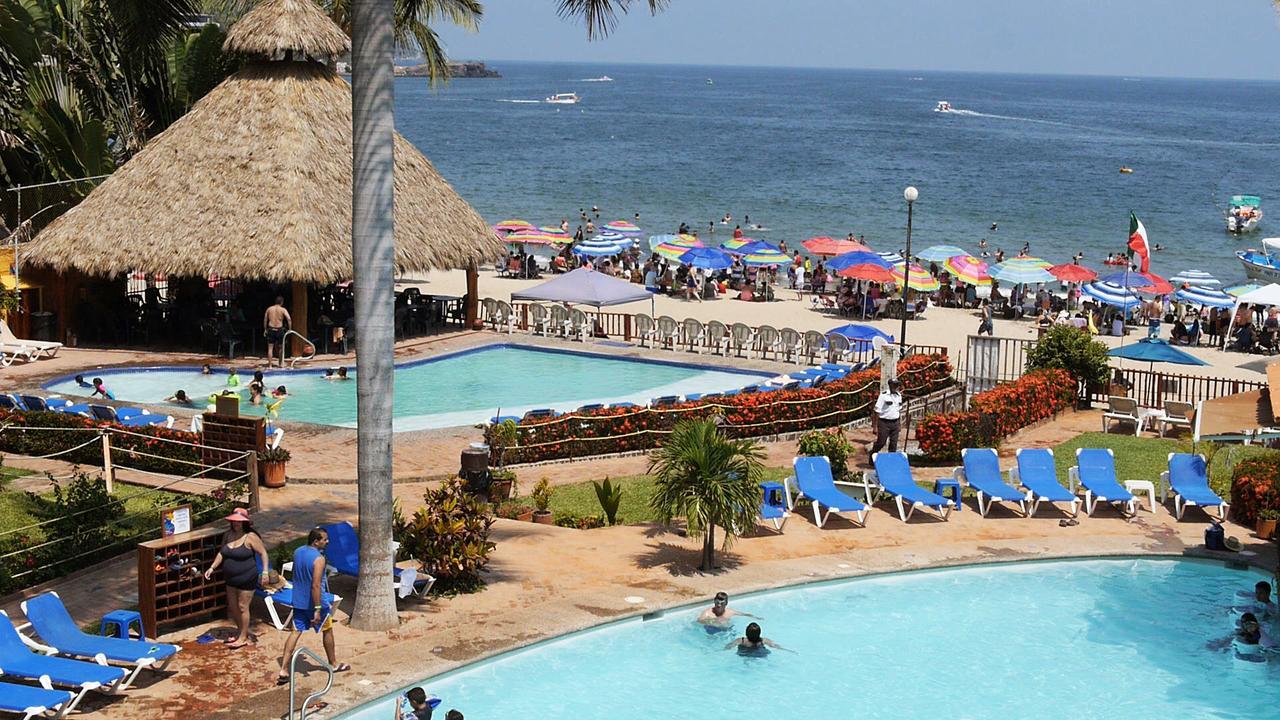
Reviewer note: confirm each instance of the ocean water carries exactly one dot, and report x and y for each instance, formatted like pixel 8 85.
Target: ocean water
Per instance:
pixel 810 152
pixel 1085 640
pixel 459 389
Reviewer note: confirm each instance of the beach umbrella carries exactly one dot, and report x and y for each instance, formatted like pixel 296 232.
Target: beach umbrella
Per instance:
pixel 1111 294
pixel 554 230
pixel 869 272
pixel 1209 297
pixel 622 227
pixel 940 253
pixel 1142 282
pixel 1194 278
pixel 1022 269
pixel 746 246
pixel 673 246
pixel 601 246
pixel 857 257
pixel 706 258
pixel 767 255
pixel 968 269
pixel 656 240
pixel 533 236
pixel 891 257
pixel 1072 273
pixel 1242 289
pixel 917 278
pixel 1154 350
pixel 510 226
pixel 830 247
pixel 860 334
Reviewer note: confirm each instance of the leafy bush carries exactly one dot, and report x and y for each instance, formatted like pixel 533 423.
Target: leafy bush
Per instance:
pixel 274 455
pixel 500 436
pixel 610 497
pixel 449 536
pixel 833 444
pixel 542 495
pixel 78 429
pixel 578 522
pixel 1066 347
pixel 1255 486
pixel 996 414
pixel 512 509
pixel 82 513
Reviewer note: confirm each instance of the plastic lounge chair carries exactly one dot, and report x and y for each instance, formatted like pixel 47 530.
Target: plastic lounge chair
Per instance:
pixel 770 341
pixel 35 348
pixel 893 474
pixel 17 661
pixel 35 403
pixel 1037 473
pixel 814 344
pixel 743 338
pixel 838 348
pixel 668 331
pixel 1095 469
pixel 790 344
pixel 130 417
pixel 48 617
pixel 1177 414
pixel 664 401
pixel 813 480
pixel 718 337
pixel 10 402
pixel 559 320
pixel 343 558
pixel 32 702
pixel 694 334
pixel 539 413
pixel 981 471
pixel 539 320
pixel 774 506
pixel 283 598
pixel 1122 409
pixel 580 326
pixel 644 328
pixel 1188 478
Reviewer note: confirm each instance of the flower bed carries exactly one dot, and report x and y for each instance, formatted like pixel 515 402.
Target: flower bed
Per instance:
pixel 996 414
pixel 1255 486
pixel 615 430
pixel 76 429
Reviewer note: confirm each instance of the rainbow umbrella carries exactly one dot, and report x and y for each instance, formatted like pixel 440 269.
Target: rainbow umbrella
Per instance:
pixel 510 226
pixel 736 244
pixel 622 227
pixel 673 250
pixel 1022 269
pixel 1242 289
pixel 656 240
pixel 768 255
pixel 941 253
pixel 917 278
pixel 533 236
pixel 553 230
pixel 830 247
pixel 968 269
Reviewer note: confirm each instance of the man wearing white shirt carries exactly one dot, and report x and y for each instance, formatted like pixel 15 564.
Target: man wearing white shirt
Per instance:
pixel 887 417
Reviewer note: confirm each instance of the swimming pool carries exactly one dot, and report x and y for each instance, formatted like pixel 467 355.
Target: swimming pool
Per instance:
pixel 460 388
pixel 1064 639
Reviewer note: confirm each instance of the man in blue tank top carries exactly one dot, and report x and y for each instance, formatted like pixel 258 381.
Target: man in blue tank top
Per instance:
pixel 311 609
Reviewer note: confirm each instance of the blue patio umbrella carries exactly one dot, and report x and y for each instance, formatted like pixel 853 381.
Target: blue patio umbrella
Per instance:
pixel 1209 297
pixel 1111 294
pixel 706 258
pixel 750 248
pixel 940 253
pixel 859 257
pixel 1131 280
pixel 1154 350
pixel 860 334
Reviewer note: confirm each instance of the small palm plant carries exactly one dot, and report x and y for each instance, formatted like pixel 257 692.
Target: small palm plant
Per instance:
pixel 709 480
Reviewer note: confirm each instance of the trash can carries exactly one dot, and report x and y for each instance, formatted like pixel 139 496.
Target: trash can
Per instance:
pixel 42 325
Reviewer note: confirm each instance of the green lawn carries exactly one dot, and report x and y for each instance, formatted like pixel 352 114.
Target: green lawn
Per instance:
pixel 580 498
pixel 20 509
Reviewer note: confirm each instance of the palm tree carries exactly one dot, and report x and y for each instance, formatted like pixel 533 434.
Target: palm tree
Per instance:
pixel 709 480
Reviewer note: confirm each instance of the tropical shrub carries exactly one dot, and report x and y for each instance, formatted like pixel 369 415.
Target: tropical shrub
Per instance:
pixel 832 443
pixel 78 429
pixel 578 522
pixel 449 536
pixel 541 495
pixel 996 414
pixel 1255 486
pixel 512 509
pixel 1069 348
pixel 274 455
pixel 610 497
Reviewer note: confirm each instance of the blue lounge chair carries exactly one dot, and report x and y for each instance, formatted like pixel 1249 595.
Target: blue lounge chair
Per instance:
pixel 539 413
pixel 498 419
pixel 48 617
pixel 283 598
pixel 35 403
pixel 17 661
pixel 343 557
pixel 1095 469
pixel 1037 473
pixel 664 401
pixel 981 471
pixel 623 405
pixel 10 402
pixel 32 702
pixel 813 480
pixel 1188 478
pixel 893 474
pixel 591 407
pixel 129 417
pixel 774 505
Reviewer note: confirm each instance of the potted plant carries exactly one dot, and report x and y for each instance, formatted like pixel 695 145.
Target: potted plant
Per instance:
pixel 1266 524
pixel 542 502
pixel 515 510
pixel 502 485
pixel 271 464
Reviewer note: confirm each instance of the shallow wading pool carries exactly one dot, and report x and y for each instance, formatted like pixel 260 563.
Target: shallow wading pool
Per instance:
pixel 460 388
pixel 1120 638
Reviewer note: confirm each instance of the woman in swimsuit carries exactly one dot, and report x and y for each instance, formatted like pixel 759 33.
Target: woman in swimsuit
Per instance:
pixel 753 643
pixel 243 559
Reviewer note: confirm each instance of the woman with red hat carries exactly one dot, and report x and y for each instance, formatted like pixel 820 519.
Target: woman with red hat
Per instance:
pixel 243 559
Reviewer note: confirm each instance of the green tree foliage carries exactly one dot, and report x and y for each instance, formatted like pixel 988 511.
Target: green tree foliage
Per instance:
pixel 834 445
pixel 449 536
pixel 1070 349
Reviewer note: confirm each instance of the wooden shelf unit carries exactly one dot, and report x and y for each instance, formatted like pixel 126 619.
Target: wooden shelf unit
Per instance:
pixel 223 437
pixel 170 597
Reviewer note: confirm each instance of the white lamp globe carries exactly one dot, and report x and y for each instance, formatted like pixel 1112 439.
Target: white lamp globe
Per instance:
pixel 911 194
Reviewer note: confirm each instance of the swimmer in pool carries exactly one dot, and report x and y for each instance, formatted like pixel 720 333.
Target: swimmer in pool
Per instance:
pixel 179 398
pixel 1262 598
pixel 753 642
pixel 719 615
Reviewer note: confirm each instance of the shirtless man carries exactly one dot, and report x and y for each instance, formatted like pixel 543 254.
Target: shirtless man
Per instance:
pixel 275 323
pixel 719 615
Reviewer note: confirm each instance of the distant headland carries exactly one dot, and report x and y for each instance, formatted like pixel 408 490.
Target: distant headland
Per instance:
pixel 456 70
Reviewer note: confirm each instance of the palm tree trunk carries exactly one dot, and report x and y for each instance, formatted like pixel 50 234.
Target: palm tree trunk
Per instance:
pixel 709 550
pixel 373 255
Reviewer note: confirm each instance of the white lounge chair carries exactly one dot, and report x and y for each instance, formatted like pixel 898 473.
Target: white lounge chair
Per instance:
pixel 644 329
pixel 1122 409
pixel 718 337
pixel 48 348
pixel 580 326
pixel 791 344
pixel 1177 414
pixel 743 337
pixel 770 341
pixel 694 334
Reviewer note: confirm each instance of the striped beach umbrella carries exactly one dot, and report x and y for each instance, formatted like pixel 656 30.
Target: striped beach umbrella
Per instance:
pixel 941 253
pixel 1142 282
pixel 679 246
pixel 858 257
pixel 766 256
pixel 891 257
pixel 554 230
pixel 533 236
pixel 830 247
pixel 1072 273
pixel 1241 289
pixel 510 226
pixel 622 227
pixel 1209 297
pixel 1111 294
pixel 968 269
pixel 1194 278
pixel 736 245
pixel 1023 269
pixel 601 246
pixel 917 278
pixel 752 247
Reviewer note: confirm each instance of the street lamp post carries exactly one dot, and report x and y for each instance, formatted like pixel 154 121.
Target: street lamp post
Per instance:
pixel 910 194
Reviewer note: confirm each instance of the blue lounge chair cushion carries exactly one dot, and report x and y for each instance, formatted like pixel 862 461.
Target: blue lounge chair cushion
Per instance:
pixel 815 481
pixel 18 661
pixel 1037 473
pixel 772 512
pixel 284 596
pixel 1097 472
pixel 343 551
pixel 982 470
pixel 52 622
pixel 894 474
pixel 21 699
pixel 76 409
pixel 1189 478
pixel 693 397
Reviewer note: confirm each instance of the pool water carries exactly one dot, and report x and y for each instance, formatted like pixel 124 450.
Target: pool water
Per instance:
pixel 457 389
pixel 1072 639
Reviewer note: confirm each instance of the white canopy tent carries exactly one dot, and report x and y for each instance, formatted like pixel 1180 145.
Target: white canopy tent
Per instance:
pixel 1265 295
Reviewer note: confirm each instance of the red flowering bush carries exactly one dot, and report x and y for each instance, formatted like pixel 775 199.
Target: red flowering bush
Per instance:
pixel 996 414
pixel 74 432
pixel 615 430
pixel 1255 486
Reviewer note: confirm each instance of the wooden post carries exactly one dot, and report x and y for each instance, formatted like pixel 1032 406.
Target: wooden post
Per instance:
pixel 108 471
pixel 300 324
pixel 470 312
pixel 626 328
pixel 251 468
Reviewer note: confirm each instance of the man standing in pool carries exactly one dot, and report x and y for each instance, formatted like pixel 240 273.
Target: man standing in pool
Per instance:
pixel 753 642
pixel 719 616
pixel 275 323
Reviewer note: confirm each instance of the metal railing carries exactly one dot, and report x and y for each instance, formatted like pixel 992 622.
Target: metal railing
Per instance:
pixel 1152 388
pixel 307 343
pixel 293 669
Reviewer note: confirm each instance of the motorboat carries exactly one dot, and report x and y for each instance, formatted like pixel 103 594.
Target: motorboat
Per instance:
pixel 943 106
pixel 564 99
pixel 1244 212
pixel 1126 170
pixel 709 81
pixel 602 78
pixel 1262 264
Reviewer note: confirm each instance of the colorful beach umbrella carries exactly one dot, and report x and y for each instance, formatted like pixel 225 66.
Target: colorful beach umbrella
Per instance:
pixel 1194 278
pixel 1209 297
pixel 941 253
pixel 868 272
pixel 830 247
pixel 1072 273
pixel 1242 289
pixel 706 258
pixel 860 334
pixel 968 269
pixel 746 246
pixel 600 246
pixel 1154 350
pixel 891 257
pixel 677 246
pixel 1142 282
pixel 1022 269
pixel 622 227
pixel 857 257
pixel 510 226
pixel 768 255
pixel 1111 294
pixel 917 278
pixel 554 230
pixel 533 236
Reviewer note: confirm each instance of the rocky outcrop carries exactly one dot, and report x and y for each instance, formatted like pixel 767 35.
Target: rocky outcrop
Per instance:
pixel 456 70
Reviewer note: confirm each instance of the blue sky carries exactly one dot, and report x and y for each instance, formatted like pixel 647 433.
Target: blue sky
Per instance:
pixel 1178 38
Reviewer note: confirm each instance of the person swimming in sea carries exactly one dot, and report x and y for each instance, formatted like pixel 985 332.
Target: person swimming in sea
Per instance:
pixel 753 642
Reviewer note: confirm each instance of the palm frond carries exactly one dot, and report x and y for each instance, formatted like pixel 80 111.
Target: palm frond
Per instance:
pixel 600 16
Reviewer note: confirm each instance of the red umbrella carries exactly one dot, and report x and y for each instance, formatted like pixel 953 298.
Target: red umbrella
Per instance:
pixel 1070 272
pixel 1159 286
pixel 832 247
pixel 873 273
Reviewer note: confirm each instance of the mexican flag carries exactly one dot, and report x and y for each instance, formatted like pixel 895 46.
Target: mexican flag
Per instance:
pixel 1138 240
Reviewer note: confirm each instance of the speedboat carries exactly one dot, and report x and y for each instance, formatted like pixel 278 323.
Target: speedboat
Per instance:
pixel 1262 264
pixel 1244 212
pixel 564 99
pixel 709 81
pixel 602 78
pixel 943 106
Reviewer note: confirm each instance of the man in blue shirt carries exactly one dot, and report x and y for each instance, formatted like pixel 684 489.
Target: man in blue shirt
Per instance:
pixel 311 610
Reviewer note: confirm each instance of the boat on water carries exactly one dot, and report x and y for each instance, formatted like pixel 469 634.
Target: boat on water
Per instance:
pixel 1126 170
pixel 602 78
pixel 709 82
pixel 1262 264
pixel 943 106
pixel 564 99
pixel 1244 212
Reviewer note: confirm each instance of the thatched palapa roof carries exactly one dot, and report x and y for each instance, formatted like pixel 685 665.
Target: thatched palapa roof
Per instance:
pixel 255 181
